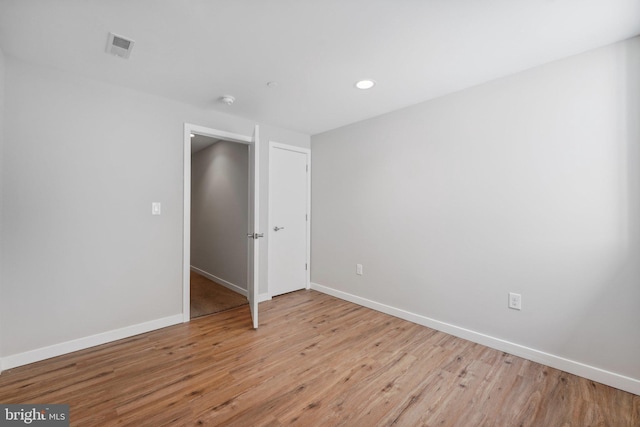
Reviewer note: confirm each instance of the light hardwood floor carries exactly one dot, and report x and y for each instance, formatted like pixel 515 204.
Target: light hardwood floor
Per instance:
pixel 208 297
pixel 314 361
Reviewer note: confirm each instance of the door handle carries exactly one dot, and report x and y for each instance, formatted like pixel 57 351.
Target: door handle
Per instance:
pixel 276 228
pixel 255 235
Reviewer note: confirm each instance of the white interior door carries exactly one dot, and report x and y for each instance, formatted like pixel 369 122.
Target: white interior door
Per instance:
pixel 254 217
pixel 288 218
pixel 254 227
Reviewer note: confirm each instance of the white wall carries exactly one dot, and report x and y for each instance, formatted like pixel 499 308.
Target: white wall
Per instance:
pixel 219 211
pixel 83 160
pixel 2 78
pixel 529 184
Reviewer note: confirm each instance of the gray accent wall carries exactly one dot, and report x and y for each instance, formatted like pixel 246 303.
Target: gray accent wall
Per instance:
pixel 527 184
pixel 219 211
pixel 83 160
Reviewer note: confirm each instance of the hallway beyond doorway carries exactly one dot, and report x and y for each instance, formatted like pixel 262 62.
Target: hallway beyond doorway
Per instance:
pixel 208 297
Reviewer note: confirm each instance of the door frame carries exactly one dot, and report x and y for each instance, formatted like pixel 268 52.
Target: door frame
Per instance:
pixel 186 231
pixel 307 152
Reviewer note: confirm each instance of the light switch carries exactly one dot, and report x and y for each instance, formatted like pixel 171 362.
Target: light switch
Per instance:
pixel 156 208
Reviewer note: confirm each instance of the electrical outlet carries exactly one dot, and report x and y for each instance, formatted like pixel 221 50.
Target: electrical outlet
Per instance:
pixel 515 301
pixel 359 269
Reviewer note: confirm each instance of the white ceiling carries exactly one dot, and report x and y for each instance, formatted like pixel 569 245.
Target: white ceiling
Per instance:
pixel 197 50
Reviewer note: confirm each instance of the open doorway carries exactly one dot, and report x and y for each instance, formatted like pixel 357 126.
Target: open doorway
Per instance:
pixel 251 233
pixel 219 224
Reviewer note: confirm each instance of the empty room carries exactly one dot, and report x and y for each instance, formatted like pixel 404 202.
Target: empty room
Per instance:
pixel 429 212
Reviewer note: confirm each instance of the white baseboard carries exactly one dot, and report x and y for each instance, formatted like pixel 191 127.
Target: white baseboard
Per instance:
pixel 228 285
pixel 612 379
pixel 263 297
pixel 43 353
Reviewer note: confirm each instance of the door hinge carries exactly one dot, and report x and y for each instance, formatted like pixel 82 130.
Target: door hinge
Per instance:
pixel 306 217
pixel 307 168
pixel 305 266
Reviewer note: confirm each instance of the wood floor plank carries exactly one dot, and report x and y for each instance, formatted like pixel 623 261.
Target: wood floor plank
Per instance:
pixel 208 296
pixel 314 361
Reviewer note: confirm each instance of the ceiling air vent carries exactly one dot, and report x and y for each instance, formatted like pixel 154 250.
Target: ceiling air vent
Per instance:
pixel 119 46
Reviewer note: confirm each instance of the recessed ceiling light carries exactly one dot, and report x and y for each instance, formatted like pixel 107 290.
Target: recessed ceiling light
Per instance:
pixel 365 84
pixel 272 84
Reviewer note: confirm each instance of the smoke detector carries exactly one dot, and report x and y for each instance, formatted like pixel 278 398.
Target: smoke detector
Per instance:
pixel 227 99
pixel 119 46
